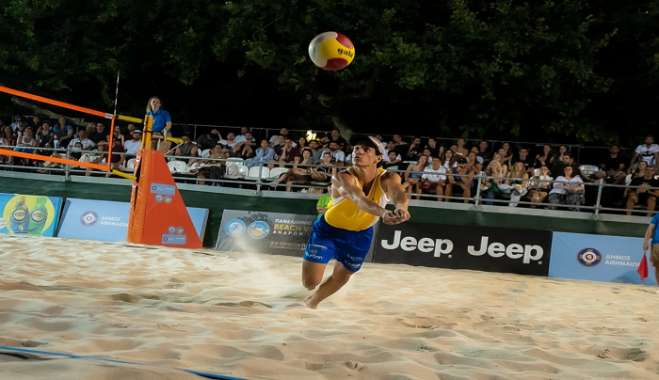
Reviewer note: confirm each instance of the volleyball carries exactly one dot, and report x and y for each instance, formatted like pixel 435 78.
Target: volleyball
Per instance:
pixel 331 51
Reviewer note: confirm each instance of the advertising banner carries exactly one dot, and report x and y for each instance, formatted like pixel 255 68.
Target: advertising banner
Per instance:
pixel 464 247
pixel 89 219
pixel 598 258
pixel 29 214
pixel 264 232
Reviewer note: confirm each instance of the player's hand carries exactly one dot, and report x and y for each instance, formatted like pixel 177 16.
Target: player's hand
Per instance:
pixel 390 218
pixel 402 214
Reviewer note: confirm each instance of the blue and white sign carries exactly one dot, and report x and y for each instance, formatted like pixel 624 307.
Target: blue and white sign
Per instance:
pixel 598 258
pixel 89 219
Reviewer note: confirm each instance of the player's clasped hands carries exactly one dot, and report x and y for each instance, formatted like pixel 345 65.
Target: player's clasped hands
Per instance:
pixel 396 216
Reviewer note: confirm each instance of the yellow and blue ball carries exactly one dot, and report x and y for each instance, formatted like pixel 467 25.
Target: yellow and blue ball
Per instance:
pixel 331 51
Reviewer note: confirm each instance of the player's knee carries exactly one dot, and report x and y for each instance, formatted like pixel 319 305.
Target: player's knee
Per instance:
pixel 310 282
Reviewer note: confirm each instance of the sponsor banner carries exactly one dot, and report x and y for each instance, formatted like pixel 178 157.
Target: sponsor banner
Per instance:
pixel 464 247
pixel 265 232
pixel 29 214
pixel 598 258
pixel 90 219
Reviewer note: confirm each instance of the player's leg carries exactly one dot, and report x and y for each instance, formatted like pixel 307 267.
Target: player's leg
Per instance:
pixel 340 276
pixel 655 261
pixel 312 274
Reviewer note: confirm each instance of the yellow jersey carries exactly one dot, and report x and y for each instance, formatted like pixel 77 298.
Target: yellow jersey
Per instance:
pixel 345 214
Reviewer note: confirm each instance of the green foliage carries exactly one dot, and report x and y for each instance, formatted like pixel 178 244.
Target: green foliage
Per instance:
pixel 573 69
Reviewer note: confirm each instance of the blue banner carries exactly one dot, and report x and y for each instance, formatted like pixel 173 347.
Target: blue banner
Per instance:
pixel 89 219
pixel 29 214
pixel 598 258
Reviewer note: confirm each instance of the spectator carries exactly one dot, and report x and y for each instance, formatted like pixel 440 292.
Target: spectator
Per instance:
pixel 544 158
pixel 414 150
pixel 539 185
pixel 99 133
pixel 187 148
pixel 648 152
pixel 213 168
pixel 567 189
pixel 337 154
pixel 523 157
pixel 302 143
pixel 278 140
pixel 449 160
pixel 644 190
pixel 44 136
pixel 25 143
pixel 264 155
pixel 232 144
pixel 434 179
pixel 613 166
pixel 288 151
pixel 393 162
pixel 518 179
pixel 399 145
pixel 460 148
pixel 316 150
pixel 323 173
pixel 243 135
pixel 132 146
pixel 432 146
pixel 414 173
pixel 300 173
pixel 335 136
pixel 460 181
pixel 563 160
pixel 484 151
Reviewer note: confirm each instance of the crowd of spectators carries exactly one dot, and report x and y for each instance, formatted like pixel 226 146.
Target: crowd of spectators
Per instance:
pixel 504 173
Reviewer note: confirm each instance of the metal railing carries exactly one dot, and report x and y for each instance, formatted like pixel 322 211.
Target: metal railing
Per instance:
pixel 274 176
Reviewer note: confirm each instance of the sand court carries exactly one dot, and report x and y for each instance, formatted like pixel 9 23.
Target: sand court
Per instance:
pixel 242 315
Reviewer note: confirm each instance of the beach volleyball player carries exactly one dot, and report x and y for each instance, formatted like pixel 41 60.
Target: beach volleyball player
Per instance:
pixel 345 231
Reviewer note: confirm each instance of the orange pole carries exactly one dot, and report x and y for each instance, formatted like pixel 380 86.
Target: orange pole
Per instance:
pixel 59 160
pixel 58 103
pixel 109 166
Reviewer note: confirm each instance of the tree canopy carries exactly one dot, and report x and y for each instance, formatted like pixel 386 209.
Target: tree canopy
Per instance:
pixel 581 71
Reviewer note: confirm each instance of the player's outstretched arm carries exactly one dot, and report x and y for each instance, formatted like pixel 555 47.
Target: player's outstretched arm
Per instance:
pixel 346 184
pixel 391 184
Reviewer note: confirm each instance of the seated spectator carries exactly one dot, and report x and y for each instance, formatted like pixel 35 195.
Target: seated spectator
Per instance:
pixel 44 137
pixel 335 136
pixel 399 145
pixel 300 173
pixel 287 152
pixel 278 140
pixel 484 151
pixel 449 160
pixel 393 162
pixel 568 189
pixel 6 141
pixel 562 160
pixel 231 143
pixel 133 146
pixel 264 155
pixel 433 147
pixel 506 153
pixel 187 148
pixel 460 148
pixel 648 152
pixel 644 191
pixel 474 162
pixel 494 184
pixel 414 173
pixel 207 141
pixel 324 171
pixel 99 133
pixel 613 166
pixel 337 154
pixel 518 179
pixel 434 179
pixel 414 150
pixel 544 158
pixel 316 150
pixel 213 167
pixel 524 158
pixel 539 185
pixel 79 144
pixel 460 181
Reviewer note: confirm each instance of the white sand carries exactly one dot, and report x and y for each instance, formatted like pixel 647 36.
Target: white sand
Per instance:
pixel 242 315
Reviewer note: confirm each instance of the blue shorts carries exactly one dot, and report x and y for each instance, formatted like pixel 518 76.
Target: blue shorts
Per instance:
pixel 326 242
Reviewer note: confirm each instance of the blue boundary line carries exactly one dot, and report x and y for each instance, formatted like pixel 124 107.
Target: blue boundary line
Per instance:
pixel 13 349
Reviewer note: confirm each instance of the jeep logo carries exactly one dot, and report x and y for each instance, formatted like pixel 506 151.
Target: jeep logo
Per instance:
pixel 439 247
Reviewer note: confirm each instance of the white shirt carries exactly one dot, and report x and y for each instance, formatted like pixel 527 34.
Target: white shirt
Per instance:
pixel 433 175
pixel 647 153
pixel 561 183
pixel 86 144
pixel 132 146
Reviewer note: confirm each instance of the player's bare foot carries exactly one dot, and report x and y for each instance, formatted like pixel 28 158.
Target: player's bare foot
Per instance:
pixel 311 302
